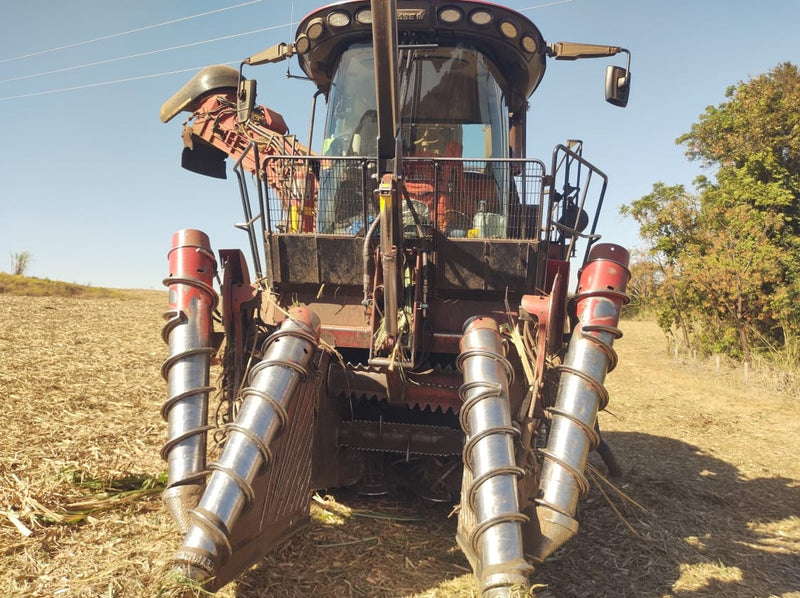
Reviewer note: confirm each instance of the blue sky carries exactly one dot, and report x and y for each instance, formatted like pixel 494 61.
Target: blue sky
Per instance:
pixel 91 181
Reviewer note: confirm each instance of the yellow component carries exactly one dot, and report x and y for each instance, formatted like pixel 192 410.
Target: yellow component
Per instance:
pixel 294 218
pixel 385 195
pixel 472 233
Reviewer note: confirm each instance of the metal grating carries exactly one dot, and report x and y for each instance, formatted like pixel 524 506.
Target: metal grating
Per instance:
pixel 461 198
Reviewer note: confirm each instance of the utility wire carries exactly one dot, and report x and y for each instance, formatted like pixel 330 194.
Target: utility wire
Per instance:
pixel 152 76
pixel 140 54
pixel 543 5
pixel 155 75
pixel 121 33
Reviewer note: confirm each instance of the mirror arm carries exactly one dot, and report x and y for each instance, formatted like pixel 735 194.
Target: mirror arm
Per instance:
pixel 576 51
pixel 628 64
pixel 276 53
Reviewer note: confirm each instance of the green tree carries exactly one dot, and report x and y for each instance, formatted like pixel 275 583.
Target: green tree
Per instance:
pixel 757 129
pixel 753 141
pixel 733 247
pixel 667 220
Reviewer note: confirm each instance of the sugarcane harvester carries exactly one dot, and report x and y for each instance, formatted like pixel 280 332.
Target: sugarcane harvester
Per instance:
pixel 409 318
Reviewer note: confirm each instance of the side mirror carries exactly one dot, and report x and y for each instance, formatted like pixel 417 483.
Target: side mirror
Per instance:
pixel 618 85
pixel 245 99
pixel 246 94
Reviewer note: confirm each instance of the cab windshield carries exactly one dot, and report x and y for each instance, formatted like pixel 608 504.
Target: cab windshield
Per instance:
pixel 451 106
pixel 449 95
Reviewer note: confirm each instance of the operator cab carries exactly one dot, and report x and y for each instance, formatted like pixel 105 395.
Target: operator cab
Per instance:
pixel 465 71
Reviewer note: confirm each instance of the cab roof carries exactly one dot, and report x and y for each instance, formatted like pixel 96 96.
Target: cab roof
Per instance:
pixel 510 40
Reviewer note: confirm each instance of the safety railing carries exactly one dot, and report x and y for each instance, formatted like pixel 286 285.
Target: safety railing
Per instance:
pixel 576 199
pixel 460 198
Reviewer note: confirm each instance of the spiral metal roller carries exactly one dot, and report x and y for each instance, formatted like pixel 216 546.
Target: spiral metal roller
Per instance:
pixel 247 452
pixel 490 520
pixel 581 395
pixel 188 333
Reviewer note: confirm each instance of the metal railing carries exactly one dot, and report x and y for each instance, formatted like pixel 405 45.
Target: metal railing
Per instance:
pixel 574 203
pixel 459 198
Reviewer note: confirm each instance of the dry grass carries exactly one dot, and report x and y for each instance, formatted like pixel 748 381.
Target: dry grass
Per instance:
pixel 16 284
pixel 713 462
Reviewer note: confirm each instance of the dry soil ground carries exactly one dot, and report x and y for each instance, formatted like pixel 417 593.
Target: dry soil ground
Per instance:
pixel 712 460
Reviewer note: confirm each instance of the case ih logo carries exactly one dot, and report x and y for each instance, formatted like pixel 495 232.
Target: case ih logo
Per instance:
pixel 411 14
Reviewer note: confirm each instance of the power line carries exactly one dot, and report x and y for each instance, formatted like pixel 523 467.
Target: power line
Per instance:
pixel 543 5
pixel 121 33
pixel 139 78
pixel 162 74
pixel 140 54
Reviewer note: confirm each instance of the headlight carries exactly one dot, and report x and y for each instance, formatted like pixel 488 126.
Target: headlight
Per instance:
pixel 450 15
pixel 364 16
pixel 481 17
pixel 509 29
pixel 338 18
pixel 315 29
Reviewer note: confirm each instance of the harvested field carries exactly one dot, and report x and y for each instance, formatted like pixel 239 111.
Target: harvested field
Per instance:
pixel 713 462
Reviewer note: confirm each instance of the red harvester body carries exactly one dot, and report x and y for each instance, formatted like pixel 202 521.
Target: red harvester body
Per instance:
pixel 408 311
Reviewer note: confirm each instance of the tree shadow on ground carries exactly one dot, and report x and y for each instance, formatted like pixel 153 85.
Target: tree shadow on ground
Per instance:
pixel 707 531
